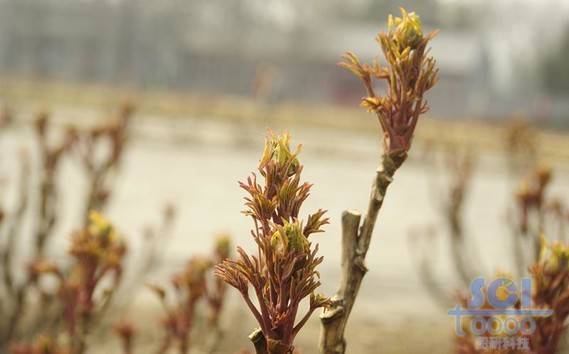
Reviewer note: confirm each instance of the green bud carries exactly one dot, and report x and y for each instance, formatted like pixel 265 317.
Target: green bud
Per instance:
pixel 554 255
pixel 223 245
pixel 277 148
pixel 289 238
pixel 406 29
pixel 279 243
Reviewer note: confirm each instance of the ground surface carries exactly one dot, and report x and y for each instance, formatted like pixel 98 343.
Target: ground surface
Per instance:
pixel 196 163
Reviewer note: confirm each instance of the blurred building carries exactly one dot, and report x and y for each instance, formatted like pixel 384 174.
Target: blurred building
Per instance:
pixel 488 67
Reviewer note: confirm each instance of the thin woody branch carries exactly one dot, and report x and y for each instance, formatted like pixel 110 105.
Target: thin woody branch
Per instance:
pixel 355 244
pixel 409 74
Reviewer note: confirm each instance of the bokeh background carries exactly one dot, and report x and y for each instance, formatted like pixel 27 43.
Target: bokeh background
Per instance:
pixel 495 56
pixel 209 77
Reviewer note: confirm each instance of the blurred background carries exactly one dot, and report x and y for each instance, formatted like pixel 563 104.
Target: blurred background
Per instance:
pixel 208 77
pixel 496 57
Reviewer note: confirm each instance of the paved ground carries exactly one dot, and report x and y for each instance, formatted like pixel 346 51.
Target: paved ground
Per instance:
pixel 196 164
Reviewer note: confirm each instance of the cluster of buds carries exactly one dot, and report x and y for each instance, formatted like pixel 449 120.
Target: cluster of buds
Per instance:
pixel 466 344
pixel 125 331
pixel 99 163
pixel 98 253
pixel 284 271
pixel 554 256
pixel 521 140
pixel 551 291
pixel 534 204
pixel 43 344
pixel 189 288
pixel 216 293
pixel 52 147
pixel 536 212
pixel 499 339
pixel 531 197
pixel 409 74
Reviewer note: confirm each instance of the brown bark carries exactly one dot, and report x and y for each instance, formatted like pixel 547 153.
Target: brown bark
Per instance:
pixel 268 346
pixel 355 244
pixel 258 340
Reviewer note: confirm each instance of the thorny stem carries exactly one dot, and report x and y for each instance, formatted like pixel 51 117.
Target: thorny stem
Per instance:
pixel 355 244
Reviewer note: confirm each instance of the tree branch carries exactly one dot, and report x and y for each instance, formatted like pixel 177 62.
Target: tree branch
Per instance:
pixel 355 244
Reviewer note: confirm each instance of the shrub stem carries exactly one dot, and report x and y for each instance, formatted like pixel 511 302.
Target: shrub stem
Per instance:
pixel 259 341
pixel 355 244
